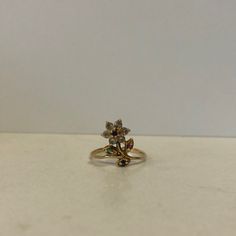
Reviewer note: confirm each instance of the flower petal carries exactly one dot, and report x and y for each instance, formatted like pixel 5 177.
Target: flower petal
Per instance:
pixel 121 139
pixel 112 140
pixel 118 123
pixel 109 125
pixel 125 130
pixel 106 134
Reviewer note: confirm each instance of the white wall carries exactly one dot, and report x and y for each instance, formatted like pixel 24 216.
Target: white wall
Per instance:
pixel 165 67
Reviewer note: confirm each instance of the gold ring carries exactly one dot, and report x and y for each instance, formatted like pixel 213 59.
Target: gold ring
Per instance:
pixel 119 151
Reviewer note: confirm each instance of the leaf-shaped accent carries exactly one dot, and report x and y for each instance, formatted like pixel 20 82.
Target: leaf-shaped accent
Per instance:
pixel 130 144
pixel 111 150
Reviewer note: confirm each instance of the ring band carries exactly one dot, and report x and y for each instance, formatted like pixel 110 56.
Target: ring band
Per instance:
pixel 119 151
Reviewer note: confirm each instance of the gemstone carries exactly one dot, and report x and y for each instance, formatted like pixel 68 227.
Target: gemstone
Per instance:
pixel 125 130
pixel 121 139
pixel 130 144
pixel 111 150
pixel 112 140
pixel 114 132
pixel 106 134
pixel 118 123
pixel 109 125
pixel 123 162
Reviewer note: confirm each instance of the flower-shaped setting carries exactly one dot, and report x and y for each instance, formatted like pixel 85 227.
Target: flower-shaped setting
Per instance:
pixel 115 132
pixel 119 150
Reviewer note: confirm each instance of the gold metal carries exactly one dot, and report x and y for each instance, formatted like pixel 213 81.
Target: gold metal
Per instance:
pixel 119 151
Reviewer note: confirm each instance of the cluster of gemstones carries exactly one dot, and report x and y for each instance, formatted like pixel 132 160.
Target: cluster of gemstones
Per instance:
pixel 118 146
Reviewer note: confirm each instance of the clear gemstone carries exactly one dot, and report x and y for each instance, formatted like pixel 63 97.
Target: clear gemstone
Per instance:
pixel 118 123
pixel 121 139
pixel 125 130
pixel 106 134
pixel 109 125
pixel 112 140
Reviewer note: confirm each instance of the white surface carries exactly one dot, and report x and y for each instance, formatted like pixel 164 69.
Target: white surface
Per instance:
pixel 48 187
pixel 62 61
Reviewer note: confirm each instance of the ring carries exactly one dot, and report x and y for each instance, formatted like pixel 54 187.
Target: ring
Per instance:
pixel 119 150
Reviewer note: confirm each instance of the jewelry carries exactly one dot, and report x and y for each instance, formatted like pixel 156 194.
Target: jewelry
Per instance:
pixel 119 149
